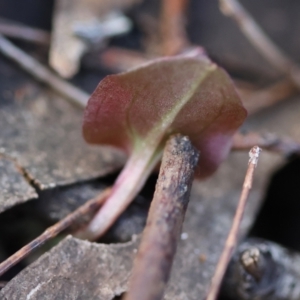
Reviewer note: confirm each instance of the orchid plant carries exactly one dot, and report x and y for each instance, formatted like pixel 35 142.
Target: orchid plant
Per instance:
pixel 138 110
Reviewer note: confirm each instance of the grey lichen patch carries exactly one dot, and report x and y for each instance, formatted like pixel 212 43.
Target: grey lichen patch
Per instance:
pixel 13 186
pixel 44 135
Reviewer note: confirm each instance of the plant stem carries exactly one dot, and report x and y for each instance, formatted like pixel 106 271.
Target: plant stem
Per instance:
pixel 130 181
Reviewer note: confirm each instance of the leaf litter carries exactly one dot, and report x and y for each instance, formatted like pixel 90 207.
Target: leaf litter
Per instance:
pixel 272 160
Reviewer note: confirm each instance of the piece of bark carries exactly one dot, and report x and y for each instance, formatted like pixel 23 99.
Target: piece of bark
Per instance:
pixel 159 242
pixel 14 188
pixel 42 132
pixel 75 270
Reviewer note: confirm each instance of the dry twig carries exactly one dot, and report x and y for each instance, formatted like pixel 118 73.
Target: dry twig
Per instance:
pixel 120 60
pixel 260 99
pixel 41 73
pixel 267 141
pixel 87 208
pixel 279 91
pixel 260 40
pixel 158 246
pixel 172 31
pixel 233 234
pixel 25 33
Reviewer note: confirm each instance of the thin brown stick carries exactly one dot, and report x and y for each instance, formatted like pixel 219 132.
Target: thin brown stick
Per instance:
pixel 267 141
pixel 255 34
pixel 87 208
pixel 233 234
pixel 260 40
pixel 158 246
pixel 268 96
pixel 41 73
pixel 172 26
pixel 25 33
pixel 120 60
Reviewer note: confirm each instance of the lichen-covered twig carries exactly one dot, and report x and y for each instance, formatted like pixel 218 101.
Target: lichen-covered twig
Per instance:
pixel 158 246
pixel 260 40
pixel 233 234
pixel 41 73
pixel 87 208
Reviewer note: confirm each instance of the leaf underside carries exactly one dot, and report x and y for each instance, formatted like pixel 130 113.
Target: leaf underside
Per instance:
pixel 185 94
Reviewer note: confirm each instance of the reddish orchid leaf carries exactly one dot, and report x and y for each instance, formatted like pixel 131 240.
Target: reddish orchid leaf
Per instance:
pixel 138 110
pixel 183 94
